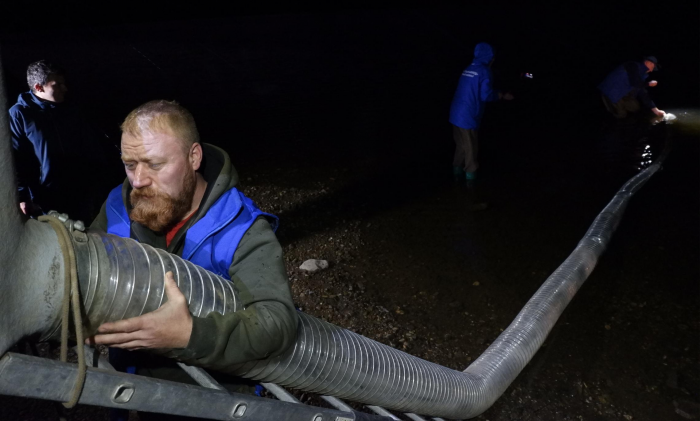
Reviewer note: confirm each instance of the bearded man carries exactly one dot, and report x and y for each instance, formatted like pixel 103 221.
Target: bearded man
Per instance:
pixel 180 196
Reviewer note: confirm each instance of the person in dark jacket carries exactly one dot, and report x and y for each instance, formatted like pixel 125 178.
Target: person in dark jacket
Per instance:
pixel 180 195
pixel 473 91
pixel 56 149
pixel 624 89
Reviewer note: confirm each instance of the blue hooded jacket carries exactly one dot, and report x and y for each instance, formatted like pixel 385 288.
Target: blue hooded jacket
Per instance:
pixel 473 90
pixel 627 78
pixel 56 155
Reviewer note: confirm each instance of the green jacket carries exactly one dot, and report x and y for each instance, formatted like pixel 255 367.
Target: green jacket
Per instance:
pixel 267 325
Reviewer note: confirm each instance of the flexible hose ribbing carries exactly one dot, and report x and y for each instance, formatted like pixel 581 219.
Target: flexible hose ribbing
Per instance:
pixel 121 278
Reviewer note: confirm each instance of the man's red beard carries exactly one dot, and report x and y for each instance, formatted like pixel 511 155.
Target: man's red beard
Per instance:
pixel 158 211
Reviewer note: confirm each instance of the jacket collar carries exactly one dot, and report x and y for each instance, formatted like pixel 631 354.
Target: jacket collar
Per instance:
pixel 32 100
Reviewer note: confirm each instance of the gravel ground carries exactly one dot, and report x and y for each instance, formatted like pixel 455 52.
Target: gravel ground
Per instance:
pixel 619 353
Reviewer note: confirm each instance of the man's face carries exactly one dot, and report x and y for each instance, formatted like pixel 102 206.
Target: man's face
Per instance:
pixel 54 90
pixel 162 175
pixel 650 65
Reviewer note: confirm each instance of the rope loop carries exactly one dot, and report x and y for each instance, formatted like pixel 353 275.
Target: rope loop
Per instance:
pixel 71 293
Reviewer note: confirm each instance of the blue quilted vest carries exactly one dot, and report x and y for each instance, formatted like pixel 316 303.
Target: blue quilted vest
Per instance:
pixel 211 241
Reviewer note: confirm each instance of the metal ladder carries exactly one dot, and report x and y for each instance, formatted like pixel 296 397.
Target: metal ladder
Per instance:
pixel 43 378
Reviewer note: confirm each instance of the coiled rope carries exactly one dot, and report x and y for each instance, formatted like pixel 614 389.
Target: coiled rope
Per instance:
pixel 71 292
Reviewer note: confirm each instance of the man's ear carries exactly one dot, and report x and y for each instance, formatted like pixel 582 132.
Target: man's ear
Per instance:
pixel 38 87
pixel 196 155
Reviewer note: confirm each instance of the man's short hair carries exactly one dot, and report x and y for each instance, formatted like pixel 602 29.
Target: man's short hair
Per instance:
pixel 161 116
pixel 40 71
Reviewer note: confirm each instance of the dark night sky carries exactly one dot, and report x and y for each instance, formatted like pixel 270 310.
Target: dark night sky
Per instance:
pixel 569 40
pixel 295 72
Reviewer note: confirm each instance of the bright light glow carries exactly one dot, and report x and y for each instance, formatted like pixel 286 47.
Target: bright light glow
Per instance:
pixel 687 120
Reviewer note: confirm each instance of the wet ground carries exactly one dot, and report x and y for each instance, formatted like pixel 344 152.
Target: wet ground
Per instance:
pixel 334 125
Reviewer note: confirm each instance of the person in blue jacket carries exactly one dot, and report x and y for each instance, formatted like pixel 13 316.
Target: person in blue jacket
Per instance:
pixel 56 149
pixel 473 91
pixel 181 195
pixel 624 89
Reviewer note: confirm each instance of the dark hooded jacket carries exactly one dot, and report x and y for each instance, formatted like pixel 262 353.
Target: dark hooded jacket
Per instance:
pixel 57 155
pixel 628 78
pixel 267 325
pixel 474 90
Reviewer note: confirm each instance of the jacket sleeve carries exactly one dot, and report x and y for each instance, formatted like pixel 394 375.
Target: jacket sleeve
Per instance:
pixel 100 221
pixel 25 164
pixel 486 91
pixel 645 99
pixel 637 82
pixel 267 325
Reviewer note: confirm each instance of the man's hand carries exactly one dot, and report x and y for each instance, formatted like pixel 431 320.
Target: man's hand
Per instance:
pixel 168 327
pixel 653 83
pixel 508 96
pixel 658 112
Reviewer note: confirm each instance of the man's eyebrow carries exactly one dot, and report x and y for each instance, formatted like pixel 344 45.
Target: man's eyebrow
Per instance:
pixel 129 158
